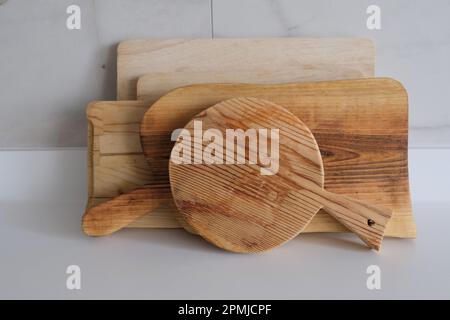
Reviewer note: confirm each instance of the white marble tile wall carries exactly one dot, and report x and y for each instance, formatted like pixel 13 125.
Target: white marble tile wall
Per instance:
pixel 48 74
pixel 412 46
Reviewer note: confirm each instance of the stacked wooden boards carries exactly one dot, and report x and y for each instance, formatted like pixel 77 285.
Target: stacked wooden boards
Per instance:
pixel 117 164
pixel 361 127
pixel 265 60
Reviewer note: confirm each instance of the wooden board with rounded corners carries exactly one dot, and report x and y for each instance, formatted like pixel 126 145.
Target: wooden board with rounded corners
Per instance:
pixel 361 127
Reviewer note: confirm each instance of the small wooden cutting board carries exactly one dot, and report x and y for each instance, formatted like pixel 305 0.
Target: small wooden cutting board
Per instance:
pixel 228 192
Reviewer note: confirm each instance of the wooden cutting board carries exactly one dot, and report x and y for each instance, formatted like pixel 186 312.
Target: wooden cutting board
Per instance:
pixel 253 205
pixel 275 59
pixel 363 158
pixel 116 163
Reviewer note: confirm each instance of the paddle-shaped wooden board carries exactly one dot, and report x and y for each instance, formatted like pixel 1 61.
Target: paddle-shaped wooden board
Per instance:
pixel 361 127
pixel 275 59
pixel 243 195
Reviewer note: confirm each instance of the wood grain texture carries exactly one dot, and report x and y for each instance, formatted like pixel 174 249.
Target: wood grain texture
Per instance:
pixel 152 86
pixel 237 208
pixel 363 158
pixel 268 60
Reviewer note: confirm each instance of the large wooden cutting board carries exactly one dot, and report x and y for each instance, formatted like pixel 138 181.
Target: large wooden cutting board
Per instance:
pixel 275 59
pixel 361 127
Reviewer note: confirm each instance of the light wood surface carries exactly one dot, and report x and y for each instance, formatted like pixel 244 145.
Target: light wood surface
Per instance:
pixel 237 208
pixel 363 158
pixel 116 164
pixel 264 60
pixel 152 86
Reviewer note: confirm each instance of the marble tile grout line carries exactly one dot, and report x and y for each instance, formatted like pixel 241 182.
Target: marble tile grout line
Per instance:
pixel 211 5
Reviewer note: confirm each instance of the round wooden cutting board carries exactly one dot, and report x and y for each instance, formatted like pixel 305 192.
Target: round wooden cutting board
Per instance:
pixel 254 206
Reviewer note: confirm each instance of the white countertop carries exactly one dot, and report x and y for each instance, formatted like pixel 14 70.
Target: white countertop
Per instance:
pixel 43 198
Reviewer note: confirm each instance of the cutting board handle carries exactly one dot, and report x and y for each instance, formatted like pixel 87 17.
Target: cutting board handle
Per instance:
pixel 365 220
pixel 115 214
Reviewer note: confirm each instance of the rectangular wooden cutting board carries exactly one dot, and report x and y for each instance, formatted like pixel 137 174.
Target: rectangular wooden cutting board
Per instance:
pixel 275 59
pixel 115 160
pixel 361 127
